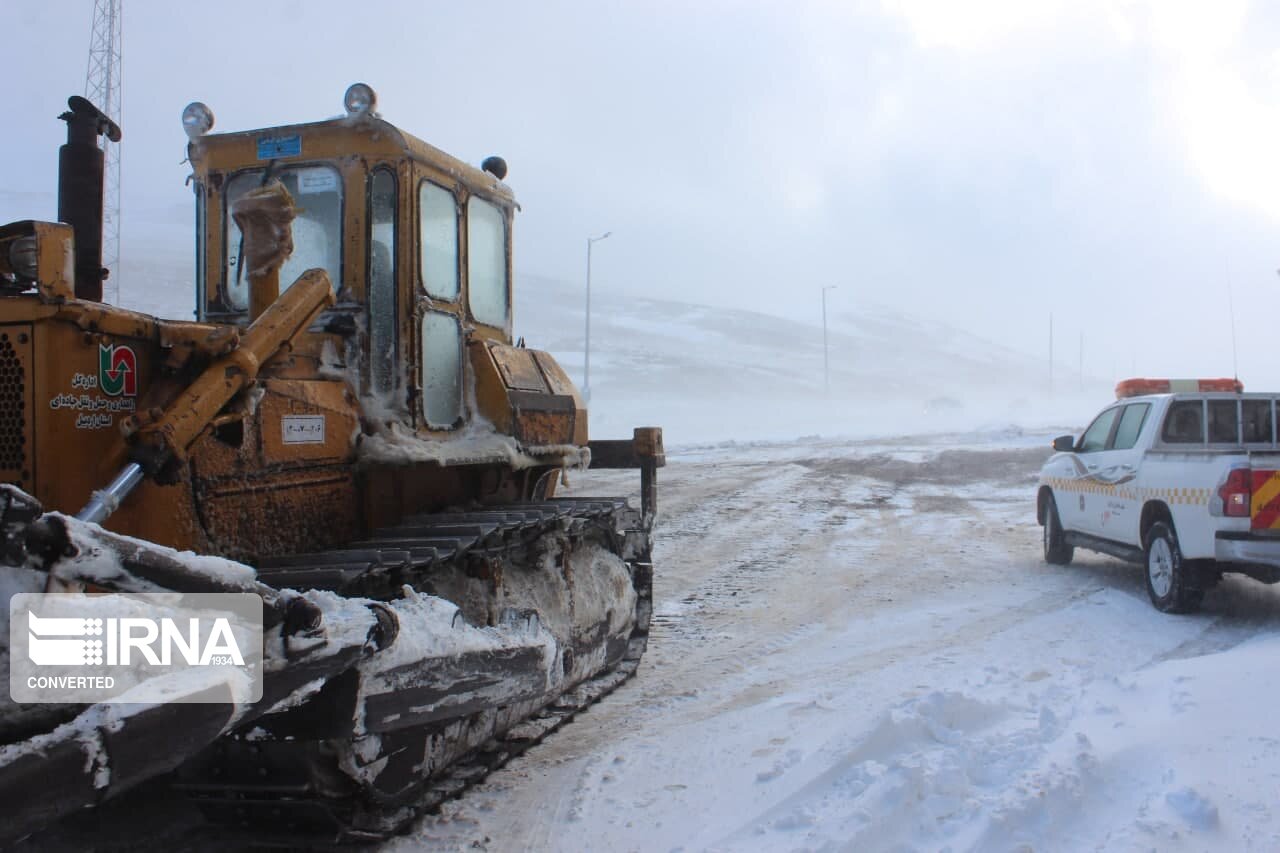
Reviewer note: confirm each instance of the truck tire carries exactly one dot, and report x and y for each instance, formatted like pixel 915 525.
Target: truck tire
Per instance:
pixel 1168 575
pixel 1056 550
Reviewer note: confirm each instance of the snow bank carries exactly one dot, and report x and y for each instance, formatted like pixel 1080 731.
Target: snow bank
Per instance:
pixel 1179 754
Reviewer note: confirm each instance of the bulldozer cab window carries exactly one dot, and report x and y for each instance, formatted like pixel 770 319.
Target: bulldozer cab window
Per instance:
pixel 441 369
pixel 317 230
pixel 438 218
pixel 486 262
pixel 382 280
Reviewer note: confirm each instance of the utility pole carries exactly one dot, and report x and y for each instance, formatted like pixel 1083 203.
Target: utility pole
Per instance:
pixel 102 87
pixel 826 363
pixel 1082 361
pixel 1231 308
pixel 586 354
pixel 1050 353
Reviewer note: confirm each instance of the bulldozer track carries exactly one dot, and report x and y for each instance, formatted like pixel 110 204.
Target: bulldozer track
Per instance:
pixel 268 798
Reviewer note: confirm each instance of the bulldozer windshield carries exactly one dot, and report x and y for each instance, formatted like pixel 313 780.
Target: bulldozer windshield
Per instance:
pixel 317 230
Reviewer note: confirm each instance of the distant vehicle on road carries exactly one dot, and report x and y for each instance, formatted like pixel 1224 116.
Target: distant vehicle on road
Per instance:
pixel 1180 476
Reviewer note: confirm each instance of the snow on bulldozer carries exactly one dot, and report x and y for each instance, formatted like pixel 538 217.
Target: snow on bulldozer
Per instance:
pixel 346 431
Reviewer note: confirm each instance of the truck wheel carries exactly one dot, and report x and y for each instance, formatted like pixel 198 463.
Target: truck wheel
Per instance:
pixel 1056 550
pixel 1168 575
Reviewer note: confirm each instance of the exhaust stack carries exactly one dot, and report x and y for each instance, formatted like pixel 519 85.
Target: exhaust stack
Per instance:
pixel 80 190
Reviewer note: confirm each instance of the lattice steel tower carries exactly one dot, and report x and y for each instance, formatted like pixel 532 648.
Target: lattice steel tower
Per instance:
pixel 102 86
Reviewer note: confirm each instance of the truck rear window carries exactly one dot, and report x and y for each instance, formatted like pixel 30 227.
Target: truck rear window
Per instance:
pixel 1256 421
pixel 1185 423
pixel 1224 427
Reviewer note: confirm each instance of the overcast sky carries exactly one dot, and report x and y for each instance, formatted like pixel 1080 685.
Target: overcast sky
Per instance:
pixel 983 163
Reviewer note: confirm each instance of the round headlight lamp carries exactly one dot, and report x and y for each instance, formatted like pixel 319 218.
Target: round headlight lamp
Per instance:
pixel 359 99
pixel 197 120
pixel 22 258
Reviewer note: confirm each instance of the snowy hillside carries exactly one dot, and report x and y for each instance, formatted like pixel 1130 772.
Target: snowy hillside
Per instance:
pixel 712 374
pixel 656 345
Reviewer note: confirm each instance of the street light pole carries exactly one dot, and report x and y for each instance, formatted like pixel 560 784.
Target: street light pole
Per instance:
pixel 1050 353
pixel 826 364
pixel 586 355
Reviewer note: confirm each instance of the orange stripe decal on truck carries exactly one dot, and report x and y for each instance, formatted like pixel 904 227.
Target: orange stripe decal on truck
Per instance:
pixel 1264 508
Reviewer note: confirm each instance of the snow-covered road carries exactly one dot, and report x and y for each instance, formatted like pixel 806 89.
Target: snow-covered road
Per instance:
pixel 857 647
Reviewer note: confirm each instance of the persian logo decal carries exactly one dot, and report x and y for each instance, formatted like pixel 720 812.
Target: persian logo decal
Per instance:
pixel 117 370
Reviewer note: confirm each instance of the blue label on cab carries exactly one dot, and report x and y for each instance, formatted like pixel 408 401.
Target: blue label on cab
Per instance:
pixel 271 147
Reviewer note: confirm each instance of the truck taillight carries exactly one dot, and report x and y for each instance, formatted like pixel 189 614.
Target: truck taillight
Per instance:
pixel 1236 493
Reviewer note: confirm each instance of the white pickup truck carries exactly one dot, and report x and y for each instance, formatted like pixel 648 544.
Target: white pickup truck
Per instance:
pixel 1182 476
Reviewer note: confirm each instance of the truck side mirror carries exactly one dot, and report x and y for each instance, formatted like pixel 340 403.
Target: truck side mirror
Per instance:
pixel 1065 443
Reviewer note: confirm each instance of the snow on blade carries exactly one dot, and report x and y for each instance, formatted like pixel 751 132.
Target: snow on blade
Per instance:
pixel 477 443
pixel 95 561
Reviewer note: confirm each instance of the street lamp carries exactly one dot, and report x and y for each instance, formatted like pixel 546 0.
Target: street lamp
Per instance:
pixel 586 356
pixel 826 365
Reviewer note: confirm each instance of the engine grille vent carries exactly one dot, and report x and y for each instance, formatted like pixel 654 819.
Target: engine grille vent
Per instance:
pixel 13 439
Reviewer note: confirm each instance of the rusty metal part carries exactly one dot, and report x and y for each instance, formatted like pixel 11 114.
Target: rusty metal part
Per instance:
pixel 643 451
pixel 203 339
pixel 279 511
pixel 167 437
pixel 294 398
pixel 524 393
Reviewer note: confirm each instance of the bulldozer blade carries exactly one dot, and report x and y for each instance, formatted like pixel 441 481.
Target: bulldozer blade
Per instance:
pixel 110 747
pixel 105 750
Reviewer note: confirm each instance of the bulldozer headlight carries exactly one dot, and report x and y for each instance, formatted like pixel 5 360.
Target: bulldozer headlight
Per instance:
pixel 23 254
pixel 359 99
pixel 197 119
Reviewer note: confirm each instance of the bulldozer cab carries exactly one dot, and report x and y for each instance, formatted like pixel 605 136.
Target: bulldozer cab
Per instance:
pixel 351 359
pixel 417 244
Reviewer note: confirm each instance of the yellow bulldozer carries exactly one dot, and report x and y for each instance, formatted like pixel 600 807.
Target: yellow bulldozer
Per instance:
pixel 349 415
